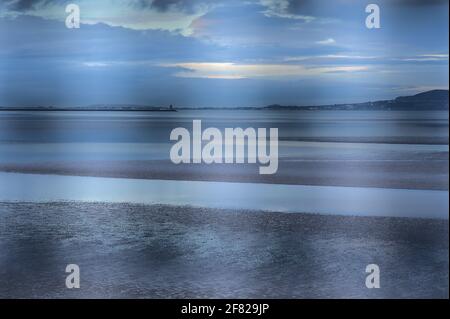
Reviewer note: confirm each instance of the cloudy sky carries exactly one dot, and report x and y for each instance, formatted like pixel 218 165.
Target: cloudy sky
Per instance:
pixel 219 53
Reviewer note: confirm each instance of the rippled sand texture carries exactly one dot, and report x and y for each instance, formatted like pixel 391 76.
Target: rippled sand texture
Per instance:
pixel 141 251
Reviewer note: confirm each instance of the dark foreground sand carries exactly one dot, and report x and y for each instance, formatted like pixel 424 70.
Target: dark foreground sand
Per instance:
pixel 157 251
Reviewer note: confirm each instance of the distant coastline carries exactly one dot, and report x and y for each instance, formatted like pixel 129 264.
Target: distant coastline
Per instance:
pixel 434 100
pixel 88 109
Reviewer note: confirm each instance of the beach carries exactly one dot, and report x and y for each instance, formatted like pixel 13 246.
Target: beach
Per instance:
pixel 98 190
pixel 384 149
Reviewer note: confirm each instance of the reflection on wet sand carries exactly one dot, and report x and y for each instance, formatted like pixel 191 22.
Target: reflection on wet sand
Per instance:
pixel 127 250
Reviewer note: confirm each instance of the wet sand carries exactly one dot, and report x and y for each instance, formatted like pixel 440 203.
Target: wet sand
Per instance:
pixel 386 149
pixel 156 251
pixel 407 174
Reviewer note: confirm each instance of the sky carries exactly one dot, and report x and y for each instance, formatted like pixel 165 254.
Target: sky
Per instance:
pixel 223 53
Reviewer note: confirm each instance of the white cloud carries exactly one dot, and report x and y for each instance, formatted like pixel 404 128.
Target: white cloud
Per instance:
pixel 426 57
pixel 443 56
pixel 280 9
pixel 329 57
pixel 241 71
pixel 328 41
pixel 96 64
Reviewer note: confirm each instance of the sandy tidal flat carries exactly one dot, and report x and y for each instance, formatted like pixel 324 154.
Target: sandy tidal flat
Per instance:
pixel 144 251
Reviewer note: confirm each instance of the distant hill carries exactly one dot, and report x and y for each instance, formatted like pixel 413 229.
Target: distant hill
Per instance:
pixel 430 100
pixel 433 95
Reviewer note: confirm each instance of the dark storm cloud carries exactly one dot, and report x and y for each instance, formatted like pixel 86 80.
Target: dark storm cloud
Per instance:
pixel 189 5
pixel 20 5
pixel 296 6
pixel 160 5
pixel 165 5
pixel 422 2
pixel 23 5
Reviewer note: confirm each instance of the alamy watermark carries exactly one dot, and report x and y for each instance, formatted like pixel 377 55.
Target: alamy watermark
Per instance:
pixel 373 19
pixel 373 277
pixel 73 279
pixel 73 19
pixel 229 147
